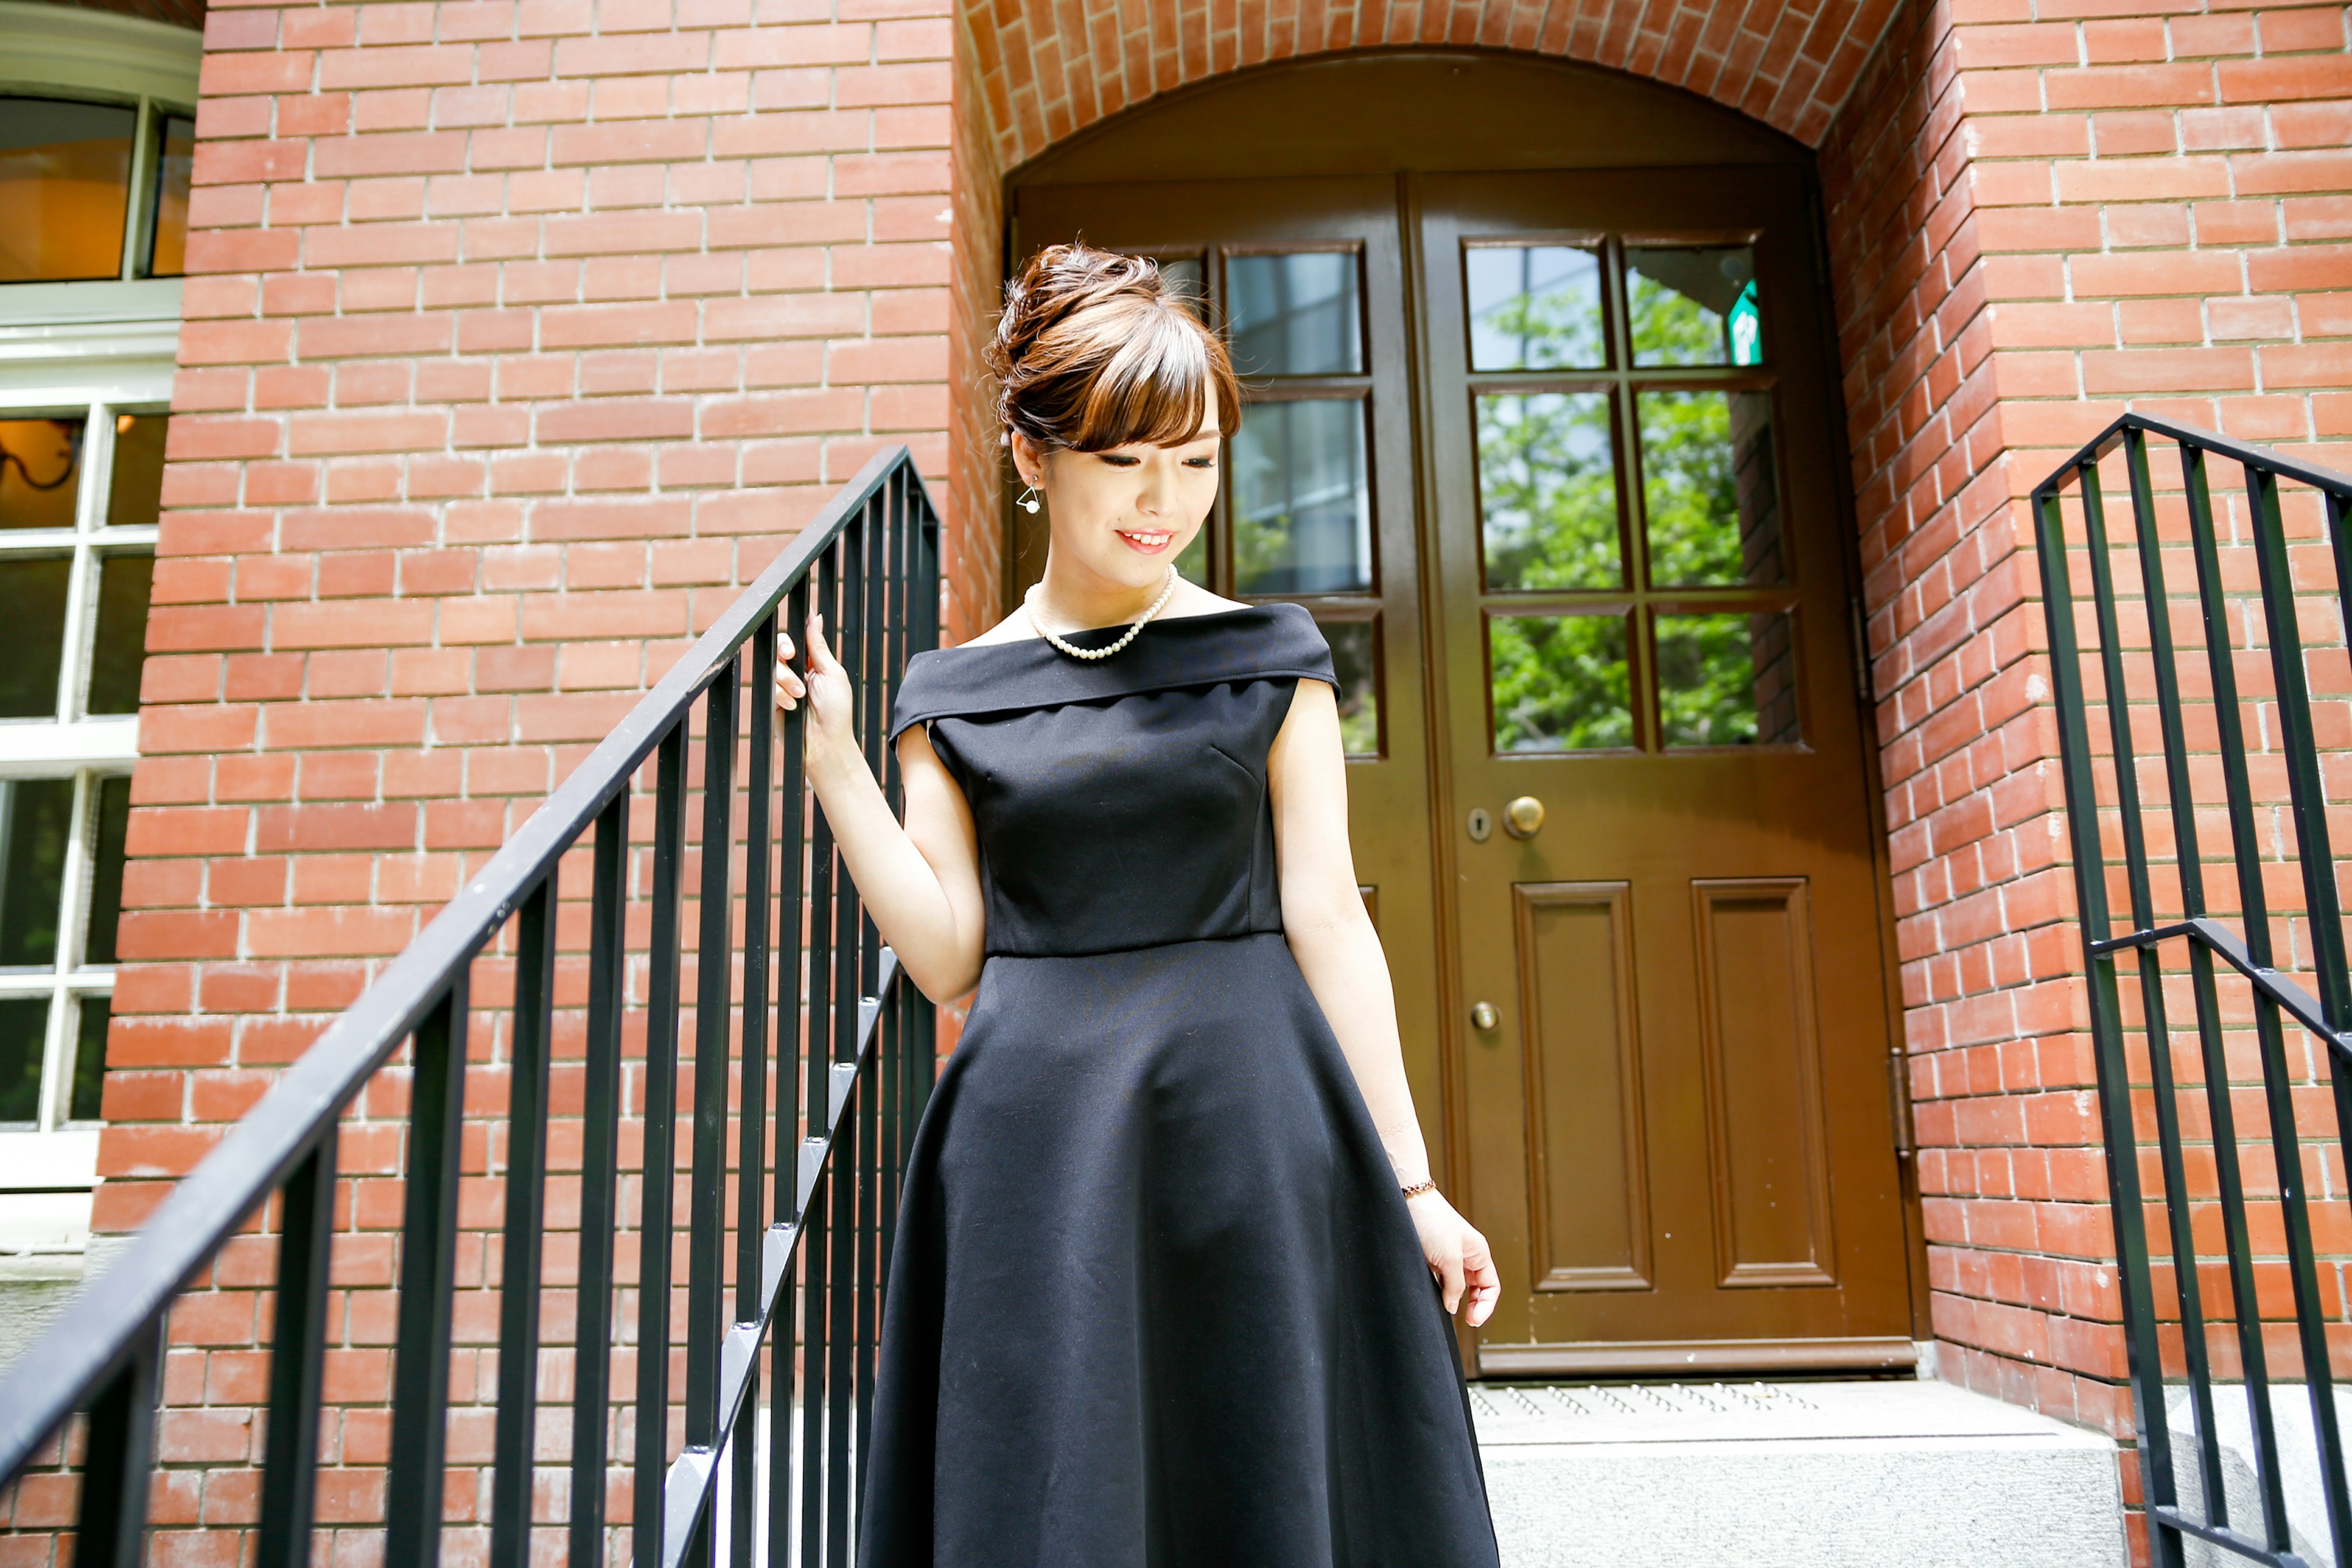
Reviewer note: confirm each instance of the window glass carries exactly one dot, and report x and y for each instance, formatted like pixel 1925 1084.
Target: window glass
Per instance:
pixel 1548 492
pixel 1727 679
pixel 136 496
pixel 1294 314
pixel 1188 278
pixel 90 1058
pixel 33 608
pixel 1709 489
pixel 65 186
pixel 120 651
pixel 40 470
pixel 1302 500
pixel 1355 659
pixel 1534 307
pixel 35 819
pixel 24 1035
pixel 110 828
pixel 1689 304
pixel 174 167
pixel 1561 683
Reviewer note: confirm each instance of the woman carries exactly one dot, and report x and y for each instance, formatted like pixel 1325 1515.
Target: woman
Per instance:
pixel 1163 1289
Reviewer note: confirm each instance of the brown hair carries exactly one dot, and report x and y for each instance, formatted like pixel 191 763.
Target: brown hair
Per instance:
pixel 1094 350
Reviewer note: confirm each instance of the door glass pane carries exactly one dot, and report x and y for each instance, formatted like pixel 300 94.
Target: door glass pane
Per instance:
pixel 1302 508
pixel 40 471
pixel 106 857
pixel 1548 492
pixel 1193 566
pixel 65 186
pixel 119 650
pixel 1727 679
pixel 23 1031
pixel 1355 659
pixel 35 816
pixel 135 495
pixel 1708 488
pixel 1294 314
pixel 1185 274
pixel 1561 682
pixel 1534 307
pixel 1689 304
pixel 33 608
pixel 174 166
pixel 89 1057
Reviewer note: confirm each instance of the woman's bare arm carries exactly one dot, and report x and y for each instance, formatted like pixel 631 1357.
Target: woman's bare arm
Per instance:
pixel 1339 953
pixel 919 880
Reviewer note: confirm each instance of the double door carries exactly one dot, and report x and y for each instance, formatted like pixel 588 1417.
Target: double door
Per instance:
pixel 1549 456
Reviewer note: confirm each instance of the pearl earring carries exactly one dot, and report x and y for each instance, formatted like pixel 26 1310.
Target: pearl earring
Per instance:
pixel 1028 501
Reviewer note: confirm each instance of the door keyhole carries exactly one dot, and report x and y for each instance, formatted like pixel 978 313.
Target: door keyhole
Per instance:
pixel 1481 825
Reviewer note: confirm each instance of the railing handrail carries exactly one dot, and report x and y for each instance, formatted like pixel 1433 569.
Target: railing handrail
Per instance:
pixel 2247 951
pixel 85 1347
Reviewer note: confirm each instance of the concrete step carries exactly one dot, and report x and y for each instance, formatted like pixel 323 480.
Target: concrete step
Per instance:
pixel 1792 1475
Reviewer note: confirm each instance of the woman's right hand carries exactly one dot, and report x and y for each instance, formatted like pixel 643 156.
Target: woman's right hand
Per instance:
pixel 825 688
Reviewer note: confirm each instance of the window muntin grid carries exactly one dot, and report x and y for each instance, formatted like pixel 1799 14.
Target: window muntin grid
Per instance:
pixel 106 544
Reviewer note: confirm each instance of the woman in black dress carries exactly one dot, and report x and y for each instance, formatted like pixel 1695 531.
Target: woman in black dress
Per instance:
pixel 1162 1294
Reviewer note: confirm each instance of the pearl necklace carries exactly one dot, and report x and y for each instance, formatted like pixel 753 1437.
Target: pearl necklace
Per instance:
pixel 1029 603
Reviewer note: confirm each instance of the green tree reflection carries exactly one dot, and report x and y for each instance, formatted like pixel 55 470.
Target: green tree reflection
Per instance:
pixel 1550 481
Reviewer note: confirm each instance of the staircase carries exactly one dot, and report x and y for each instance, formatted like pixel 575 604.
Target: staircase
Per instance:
pixel 1792 1475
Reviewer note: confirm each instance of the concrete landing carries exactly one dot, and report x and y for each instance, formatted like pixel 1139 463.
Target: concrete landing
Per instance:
pixel 1792 1475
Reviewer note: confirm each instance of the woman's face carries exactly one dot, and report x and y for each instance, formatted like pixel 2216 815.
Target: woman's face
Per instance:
pixel 1122 515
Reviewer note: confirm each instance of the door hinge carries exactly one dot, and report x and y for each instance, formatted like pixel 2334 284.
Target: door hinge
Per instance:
pixel 1898 1100
pixel 1858 626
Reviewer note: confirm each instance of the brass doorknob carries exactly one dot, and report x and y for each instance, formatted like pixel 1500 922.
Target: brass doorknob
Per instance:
pixel 1483 1017
pixel 1524 817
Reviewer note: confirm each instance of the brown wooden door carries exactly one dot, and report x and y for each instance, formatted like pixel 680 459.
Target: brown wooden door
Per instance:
pixel 1678 1116
pixel 1307 277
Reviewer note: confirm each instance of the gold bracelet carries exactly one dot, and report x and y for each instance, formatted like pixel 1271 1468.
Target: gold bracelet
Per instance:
pixel 1418 1188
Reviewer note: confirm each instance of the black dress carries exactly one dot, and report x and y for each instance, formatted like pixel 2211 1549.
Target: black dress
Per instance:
pixel 1156 1300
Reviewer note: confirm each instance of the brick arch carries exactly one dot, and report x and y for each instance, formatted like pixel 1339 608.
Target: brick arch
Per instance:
pixel 1048 69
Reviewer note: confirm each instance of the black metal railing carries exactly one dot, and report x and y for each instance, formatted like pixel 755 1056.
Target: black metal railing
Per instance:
pixel 789 982
pixel 2228 678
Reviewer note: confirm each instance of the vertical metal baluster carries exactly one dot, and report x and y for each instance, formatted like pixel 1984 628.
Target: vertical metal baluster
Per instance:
pixel 869 1230
pixel 705 1304
pixel 119 1459
pixel 2324 919
pixel 752 1152
pixel 2106 1029
pixel 2307 791
pixel 600 1119
pixel 2126 762
pixel 428 1236
pixel 894 790
pixel 2180 793
pixel 2230 732
pixel 817 1244
pixel 525 1194
pixel 793 808
pixel 814 1294
pixel 926 636
pixel 841 1294
pixel 660 1171
pixel 298 1349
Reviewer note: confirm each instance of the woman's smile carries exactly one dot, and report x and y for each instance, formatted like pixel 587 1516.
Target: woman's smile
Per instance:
pixel 1145 541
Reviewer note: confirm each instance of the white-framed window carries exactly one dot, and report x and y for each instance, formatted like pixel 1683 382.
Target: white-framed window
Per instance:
pixel 96 136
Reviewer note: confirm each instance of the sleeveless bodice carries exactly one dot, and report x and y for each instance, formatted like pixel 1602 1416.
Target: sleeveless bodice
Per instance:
pixel 1120 802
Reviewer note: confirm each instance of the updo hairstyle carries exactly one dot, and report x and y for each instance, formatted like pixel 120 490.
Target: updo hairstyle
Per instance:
pixel 1094 350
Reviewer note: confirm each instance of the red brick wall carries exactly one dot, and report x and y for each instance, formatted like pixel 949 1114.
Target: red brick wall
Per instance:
pixel 520 334
pixel 2036 225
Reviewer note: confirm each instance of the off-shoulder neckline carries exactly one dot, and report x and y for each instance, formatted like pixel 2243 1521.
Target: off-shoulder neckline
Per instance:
pixel 1116 626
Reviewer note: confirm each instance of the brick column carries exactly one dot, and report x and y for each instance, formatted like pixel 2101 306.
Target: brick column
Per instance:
pixel 520 334
pixel 2041 214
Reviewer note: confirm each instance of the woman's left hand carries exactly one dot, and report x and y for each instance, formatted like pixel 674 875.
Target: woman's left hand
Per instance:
pixel 1458 1257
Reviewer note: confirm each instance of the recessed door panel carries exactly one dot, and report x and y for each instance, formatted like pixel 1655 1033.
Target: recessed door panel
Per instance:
pixel 1766 1152
pixel 1590 1191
